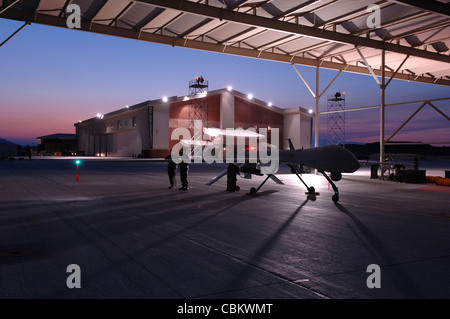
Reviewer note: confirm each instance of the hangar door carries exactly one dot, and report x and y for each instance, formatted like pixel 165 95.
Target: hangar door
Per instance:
pixel 126 143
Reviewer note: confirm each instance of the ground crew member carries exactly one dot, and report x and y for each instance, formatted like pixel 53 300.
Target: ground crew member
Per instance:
pixel 172 171
pixel 184 169
pixel 232 172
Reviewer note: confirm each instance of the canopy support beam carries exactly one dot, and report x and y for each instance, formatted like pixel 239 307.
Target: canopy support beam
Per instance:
pixel 12 35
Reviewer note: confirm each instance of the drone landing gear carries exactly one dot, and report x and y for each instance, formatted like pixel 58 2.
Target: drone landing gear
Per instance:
pixel 311 190
pixel 254 190
pixel 335 197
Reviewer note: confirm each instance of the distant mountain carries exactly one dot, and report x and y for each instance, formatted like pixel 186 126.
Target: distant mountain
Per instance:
pixel 3 141
pixel 366 150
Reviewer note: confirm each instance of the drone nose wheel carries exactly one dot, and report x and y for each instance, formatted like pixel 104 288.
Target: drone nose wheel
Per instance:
pixel 335 198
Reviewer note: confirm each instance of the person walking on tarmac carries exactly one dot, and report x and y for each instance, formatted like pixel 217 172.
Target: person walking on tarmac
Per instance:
pixel 184 170
pixel 29 152
pixel 172 171
pixel 232 172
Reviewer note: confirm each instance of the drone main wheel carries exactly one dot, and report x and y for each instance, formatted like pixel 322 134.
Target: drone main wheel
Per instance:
pixel 311 190
pixel 237 188
pixel 252 190
pixel 335 198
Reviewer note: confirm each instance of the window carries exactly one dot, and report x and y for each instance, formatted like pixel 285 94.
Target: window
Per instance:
pixel 134 121
pixel 119 124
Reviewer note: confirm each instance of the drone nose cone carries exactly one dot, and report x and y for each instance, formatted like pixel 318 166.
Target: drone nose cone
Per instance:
pixel 341 159
pixel 355 165
pixel 351 163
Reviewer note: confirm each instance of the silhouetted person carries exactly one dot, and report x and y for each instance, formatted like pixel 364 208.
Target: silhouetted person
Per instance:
pixel 184 170
pixel 172 171
pixel 232 172
pixel 416 162
pixel 29 152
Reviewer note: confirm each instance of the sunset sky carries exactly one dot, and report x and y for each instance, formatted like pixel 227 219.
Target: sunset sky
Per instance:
pixel 52 77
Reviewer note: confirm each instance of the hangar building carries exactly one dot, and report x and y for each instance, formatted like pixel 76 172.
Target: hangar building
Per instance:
pixel 144 129
pixel 57 144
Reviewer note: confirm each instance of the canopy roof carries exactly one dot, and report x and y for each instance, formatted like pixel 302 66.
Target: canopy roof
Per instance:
pixel 331 34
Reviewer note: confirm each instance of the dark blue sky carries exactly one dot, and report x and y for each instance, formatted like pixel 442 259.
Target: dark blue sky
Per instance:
pixel 53 77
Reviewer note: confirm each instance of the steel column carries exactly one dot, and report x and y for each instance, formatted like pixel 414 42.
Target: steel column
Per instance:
pixel 317 97
pixel 383 105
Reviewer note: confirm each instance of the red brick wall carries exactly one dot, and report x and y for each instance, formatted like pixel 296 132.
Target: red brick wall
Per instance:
pixel 248 114
pixel 179 115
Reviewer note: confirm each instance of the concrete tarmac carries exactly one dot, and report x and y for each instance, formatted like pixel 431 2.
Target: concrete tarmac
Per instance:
pixel 132 237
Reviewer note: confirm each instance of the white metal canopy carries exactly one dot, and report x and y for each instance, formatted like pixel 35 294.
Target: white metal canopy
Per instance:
pixel 332 34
